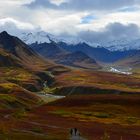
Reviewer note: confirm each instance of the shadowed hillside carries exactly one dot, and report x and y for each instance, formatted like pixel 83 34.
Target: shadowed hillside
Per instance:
pixel 59 55
pixel 22 72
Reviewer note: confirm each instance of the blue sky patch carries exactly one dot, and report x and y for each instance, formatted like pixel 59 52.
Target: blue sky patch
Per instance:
pixel 88 19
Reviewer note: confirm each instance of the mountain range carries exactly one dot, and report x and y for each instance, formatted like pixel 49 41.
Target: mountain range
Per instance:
pixel 123 45
pixel 63 50
pixel 114 45
pixel 76 54
pixel 60 55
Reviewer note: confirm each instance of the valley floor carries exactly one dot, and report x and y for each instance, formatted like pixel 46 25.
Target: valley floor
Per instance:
pixel 95 116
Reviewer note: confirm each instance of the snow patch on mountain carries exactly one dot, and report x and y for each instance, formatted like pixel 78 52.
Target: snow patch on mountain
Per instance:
pixel 123 45
pixel 30 38
pixel 127 72
pixel 44 37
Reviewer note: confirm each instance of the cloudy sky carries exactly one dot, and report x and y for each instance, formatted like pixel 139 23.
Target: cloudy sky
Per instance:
pixel 92 20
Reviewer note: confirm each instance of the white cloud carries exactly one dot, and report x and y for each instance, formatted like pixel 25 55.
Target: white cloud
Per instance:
pixel 15 15
pixel 16 2
pixel 18 24
pixel 15 27
pixel 57 2
pixel 58 22
pixel 103 20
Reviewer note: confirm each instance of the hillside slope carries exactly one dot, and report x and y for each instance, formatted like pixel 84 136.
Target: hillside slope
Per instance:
pixel 21 71
pixel 132 61
pixel 60 55
pixel 100 54
pixel 78 59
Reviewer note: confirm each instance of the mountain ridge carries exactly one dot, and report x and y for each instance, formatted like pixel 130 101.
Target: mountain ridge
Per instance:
pixel 100 53
pixel 55 52
pixel 114 45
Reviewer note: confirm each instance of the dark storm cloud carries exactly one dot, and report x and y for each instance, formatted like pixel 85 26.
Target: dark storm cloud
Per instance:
pixel 112 31
pixel 84 4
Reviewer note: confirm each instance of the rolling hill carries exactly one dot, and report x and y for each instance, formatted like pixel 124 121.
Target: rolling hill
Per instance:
pixel 132 61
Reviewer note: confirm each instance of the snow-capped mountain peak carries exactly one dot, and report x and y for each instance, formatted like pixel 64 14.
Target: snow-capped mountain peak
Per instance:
pixel 44 37
pixel 115 45
pixel 39 37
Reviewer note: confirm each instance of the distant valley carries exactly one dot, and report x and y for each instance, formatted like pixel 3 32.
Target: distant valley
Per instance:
pixel 48 88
